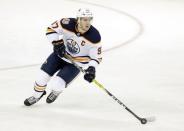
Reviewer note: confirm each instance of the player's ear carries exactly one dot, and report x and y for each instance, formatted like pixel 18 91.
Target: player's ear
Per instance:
pixel 78 19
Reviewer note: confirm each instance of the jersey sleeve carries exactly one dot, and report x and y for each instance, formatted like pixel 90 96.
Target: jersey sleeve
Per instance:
pixel 54 31
pixel 95 54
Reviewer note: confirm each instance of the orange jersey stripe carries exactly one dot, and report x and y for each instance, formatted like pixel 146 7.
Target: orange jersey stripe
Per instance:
pixel 83 59
pixel 49 30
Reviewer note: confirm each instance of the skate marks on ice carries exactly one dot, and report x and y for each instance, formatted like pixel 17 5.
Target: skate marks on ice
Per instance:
pixel 43 116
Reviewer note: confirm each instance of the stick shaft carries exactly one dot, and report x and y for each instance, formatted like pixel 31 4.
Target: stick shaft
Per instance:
pixel 104 89
pixel 115 98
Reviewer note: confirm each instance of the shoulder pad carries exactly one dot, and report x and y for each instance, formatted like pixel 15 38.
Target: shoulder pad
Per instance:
pixel 93 35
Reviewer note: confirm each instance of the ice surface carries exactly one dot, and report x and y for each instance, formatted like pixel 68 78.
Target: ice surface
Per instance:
pixel 146 73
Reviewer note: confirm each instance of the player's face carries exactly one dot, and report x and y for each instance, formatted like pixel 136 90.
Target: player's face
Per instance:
pixel 85 23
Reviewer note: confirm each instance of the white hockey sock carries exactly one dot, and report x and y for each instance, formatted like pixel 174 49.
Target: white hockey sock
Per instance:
pixel 58 84
pixel 40 83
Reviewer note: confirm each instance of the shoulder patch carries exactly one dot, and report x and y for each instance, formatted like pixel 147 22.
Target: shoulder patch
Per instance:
pixel 68 24
pixel 65 21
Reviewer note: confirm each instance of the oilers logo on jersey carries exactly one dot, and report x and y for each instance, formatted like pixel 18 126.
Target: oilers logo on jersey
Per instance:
pixel 72 46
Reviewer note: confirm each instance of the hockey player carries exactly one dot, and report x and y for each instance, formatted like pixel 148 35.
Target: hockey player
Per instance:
pixel 77 38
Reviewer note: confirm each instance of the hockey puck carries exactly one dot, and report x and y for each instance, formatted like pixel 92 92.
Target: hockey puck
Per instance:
pixel 143 121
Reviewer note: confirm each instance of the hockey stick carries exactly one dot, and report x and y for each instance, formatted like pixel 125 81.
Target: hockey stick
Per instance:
pixel 142 120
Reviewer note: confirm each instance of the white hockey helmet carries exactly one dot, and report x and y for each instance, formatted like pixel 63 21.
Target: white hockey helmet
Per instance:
pixel 84 13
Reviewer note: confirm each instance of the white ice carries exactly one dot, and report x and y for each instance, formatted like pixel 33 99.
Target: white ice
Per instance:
pixel 146 72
